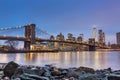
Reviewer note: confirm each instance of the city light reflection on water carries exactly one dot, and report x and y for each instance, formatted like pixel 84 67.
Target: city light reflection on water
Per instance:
pixel 95 59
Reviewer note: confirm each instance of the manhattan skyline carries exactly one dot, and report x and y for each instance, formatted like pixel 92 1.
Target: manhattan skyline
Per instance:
pixel 66 16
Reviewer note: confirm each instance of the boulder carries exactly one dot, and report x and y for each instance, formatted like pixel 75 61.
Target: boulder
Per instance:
pixel 86 69
pixel 55 73
pixel 10 68
pixel 72 74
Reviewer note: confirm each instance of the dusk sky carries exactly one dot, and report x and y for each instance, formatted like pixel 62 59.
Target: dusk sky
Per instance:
pixel 66 16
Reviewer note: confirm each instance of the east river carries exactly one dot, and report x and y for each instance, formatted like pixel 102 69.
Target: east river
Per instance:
pixel 93 59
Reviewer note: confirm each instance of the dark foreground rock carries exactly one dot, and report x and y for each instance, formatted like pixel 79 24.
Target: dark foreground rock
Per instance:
pixel 113 77
pixel 13 71
pixel 10 68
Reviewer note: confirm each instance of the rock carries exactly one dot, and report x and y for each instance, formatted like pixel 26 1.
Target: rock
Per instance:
pixel 5 78
pixel 113 76
pixel 89 78
pixel 26 76
pixel 10 68
pixel 86 69
pixel 47 74
pixel 33 70
pixel 64 72
pixel 72 74
pixel 55 73
pixel 1 74
pixel 17 79
pixel 19 71
pixel 49 65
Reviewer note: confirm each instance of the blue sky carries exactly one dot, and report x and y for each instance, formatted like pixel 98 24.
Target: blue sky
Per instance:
pixel 66 16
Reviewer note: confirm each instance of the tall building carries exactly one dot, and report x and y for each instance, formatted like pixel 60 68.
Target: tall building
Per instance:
pixel 70 36
pixel 80 38
pixel 60 37
pixel 95 34
pixel 101 37
pixel 118 37
pixel 52 37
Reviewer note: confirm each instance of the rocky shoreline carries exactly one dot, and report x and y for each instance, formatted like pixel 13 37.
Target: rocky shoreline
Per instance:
pixel 14 71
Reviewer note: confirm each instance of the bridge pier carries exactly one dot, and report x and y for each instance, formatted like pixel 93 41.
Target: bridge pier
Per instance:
pixel 29 35
pixel 92 44
pixel 92 48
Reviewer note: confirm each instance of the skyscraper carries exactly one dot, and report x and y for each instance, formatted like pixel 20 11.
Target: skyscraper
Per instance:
pixel 101 37
pixel 80 38
pixel 70 36
pixel 118 37
pixel 95 34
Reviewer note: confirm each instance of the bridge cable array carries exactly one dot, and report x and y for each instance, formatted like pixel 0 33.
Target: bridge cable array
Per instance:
pixel 10 31
pixel 41 32
pixel 9 28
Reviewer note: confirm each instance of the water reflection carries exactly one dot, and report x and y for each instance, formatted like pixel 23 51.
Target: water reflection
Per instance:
pixel 96 60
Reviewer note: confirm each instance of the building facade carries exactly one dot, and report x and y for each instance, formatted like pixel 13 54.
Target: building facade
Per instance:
pixel 95 34
pixel 80 38
pixel 118 38
pixel 101 37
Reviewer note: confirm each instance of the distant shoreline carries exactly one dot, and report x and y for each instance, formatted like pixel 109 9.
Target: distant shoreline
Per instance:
pixel 29 51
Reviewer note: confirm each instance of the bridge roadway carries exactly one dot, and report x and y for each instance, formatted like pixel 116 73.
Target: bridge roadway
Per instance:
pixel 48 40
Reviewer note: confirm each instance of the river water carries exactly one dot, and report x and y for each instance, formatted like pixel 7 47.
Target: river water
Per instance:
pixel 93 59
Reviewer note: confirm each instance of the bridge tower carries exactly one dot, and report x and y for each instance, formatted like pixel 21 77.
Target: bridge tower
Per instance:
pixel 92 44
pixel 29 35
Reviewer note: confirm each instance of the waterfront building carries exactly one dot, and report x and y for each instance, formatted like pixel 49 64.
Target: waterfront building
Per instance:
pixel 91 40
pixel 51 44
pixel 60 37
pixel 118 38
pixel 52 37
pixel 70 36
pixel 74 39
pixel 101 37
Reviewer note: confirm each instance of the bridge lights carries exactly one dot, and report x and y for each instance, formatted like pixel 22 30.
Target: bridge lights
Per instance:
pixel 17 36
pixel 31 47
pixel 4 35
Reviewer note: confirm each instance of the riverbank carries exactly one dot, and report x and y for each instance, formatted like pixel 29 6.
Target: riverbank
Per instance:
pixel 26 51
pixel 14 71
pixel 56 50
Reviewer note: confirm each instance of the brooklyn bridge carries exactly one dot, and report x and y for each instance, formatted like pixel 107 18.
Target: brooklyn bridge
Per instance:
pixel 30 38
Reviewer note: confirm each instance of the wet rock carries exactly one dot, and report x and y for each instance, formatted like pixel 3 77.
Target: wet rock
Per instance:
pixel 47 74
pixel 86 69
pixel 10 68
pixel 26 76
pixel 113 77
pixel 19 71
pixel 72 74
pixel 35 71
pixel 1 74
pixel 55 73
pixel 5 78
pixel 89 78
pixel 64 72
